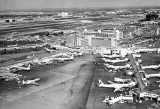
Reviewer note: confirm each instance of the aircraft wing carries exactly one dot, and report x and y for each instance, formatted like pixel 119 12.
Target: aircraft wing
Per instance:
pixel 37 79
pixel 156 69
pixel 35 83
pixel 118 89
pixel 116 68
pixel 111 82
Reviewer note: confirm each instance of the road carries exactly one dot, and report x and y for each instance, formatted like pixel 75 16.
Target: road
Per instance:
pixel 136 71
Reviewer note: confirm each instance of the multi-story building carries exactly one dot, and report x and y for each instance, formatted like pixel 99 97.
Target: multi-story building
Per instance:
pixel 95 38
pixel 63 14
pixel 73 40
pixel 105 33
pixel 85 42
pixel 93 41
pixel 70 40
pixel 147 31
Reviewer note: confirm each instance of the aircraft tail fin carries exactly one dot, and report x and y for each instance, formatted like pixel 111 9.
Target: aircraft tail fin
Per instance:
pixel 72 57
pixel 115 90
pixel 46 48
pixel 127 65
pixel 29 66
pixel 146 75
pixel 116 79
pixel 100 82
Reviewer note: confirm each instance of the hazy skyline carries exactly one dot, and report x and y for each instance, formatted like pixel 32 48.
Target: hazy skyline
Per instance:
pixel 41 4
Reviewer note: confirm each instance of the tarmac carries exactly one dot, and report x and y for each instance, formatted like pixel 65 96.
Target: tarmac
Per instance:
pixel 67 87
pixel 97 94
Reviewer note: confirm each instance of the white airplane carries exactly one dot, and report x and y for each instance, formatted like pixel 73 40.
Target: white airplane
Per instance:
pixel 49 50
pixel 139 60
pixel 136 55
pixel 129 73
pixel 120 80
pixel 46 62
pixel 116 86
pixel 77 54
pixel 30 56
pixel 151 67
pixel 64 59
pixel 13 45
pixel 152 75
pixel 112 100
pixel 118 67
pixel 31 82
pixel 117 60
pixel 21 68
pixel 112 56
pixel 9 76
pixel 59 47
pixel 157 81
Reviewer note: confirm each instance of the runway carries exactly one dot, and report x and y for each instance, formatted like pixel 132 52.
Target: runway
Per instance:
pixel 50 25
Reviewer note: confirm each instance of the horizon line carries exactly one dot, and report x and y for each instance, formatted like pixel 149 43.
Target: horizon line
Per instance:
pixel 121 7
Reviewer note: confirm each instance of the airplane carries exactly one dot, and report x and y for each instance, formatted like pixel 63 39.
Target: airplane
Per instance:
pixel 146 50
pixel 31 82
pixel 129 73
pixel 13 45
pixel 157 81
pixel 117 60
pixel 112 100
pixel 64 59
pixel 116 86
pixel 118 67
pixel 151 67
pixel 16 68
pixel 139 60
pixel 30 56
pixel 43 62
pixel 112 56
pixel 49 50
pixel 9 76
pixel 120 80
pixel 152 75
pixel 136 55
pixel 59 47
pixel 77 53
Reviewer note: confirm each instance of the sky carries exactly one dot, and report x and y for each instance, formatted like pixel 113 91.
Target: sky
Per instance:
pixel 40 4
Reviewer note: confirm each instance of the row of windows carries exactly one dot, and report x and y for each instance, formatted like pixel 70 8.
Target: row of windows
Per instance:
pixel 150 95
pixel 100 34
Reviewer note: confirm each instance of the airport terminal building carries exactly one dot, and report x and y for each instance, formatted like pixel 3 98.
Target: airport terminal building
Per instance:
pixel 107 38
pixel 95 38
